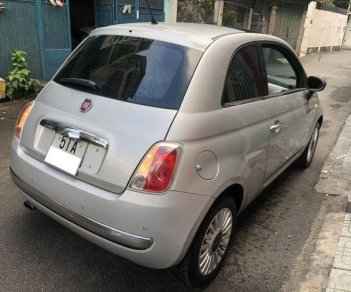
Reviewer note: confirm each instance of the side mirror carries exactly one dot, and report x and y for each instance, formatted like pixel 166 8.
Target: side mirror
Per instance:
pixel 315 84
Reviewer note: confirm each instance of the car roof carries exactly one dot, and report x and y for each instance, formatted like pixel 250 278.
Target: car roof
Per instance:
pixel 192 30
pixel 195 35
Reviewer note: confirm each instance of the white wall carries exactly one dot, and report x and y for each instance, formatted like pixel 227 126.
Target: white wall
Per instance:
pixel 170 9
pixel 323 30
pixel 347 38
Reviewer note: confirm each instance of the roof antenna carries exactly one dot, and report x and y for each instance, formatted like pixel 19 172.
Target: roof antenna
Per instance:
pixel 153 20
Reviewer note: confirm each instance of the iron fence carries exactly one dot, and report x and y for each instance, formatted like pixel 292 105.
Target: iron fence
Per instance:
pixel 202 11
pixel 195 11
pixel 235 16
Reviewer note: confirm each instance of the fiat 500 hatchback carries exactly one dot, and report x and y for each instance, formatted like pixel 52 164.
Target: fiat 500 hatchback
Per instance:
pixel 151 139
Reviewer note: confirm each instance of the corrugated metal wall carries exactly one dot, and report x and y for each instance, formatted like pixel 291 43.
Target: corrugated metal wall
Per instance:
pixel 18 30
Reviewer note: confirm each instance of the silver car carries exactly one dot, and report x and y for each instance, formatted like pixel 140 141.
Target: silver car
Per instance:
pixel 151 139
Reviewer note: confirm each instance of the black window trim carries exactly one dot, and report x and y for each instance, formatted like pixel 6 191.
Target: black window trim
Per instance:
pixel 245 101
pixel 293 60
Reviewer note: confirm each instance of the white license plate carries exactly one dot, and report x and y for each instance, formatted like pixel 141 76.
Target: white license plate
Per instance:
pixel 66 153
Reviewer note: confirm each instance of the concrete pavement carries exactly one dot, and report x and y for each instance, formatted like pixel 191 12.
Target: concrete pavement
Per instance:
pixel 335 179
pixel 315 268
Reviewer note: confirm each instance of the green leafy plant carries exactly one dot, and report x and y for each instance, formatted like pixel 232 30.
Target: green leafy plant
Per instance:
pixel 19 80
pixel 329 2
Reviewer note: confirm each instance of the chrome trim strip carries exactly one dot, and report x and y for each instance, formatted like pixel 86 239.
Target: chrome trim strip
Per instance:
pixel 117 236
pixel 285 92
pixel 74 133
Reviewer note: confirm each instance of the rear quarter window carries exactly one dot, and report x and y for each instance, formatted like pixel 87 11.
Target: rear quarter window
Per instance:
pixel 136 70
pixel 242 81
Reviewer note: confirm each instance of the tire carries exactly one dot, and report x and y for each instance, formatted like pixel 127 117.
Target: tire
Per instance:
pixel 306 157
pixel 189 270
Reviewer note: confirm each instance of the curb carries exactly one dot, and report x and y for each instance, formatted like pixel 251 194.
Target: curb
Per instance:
pixel 336 179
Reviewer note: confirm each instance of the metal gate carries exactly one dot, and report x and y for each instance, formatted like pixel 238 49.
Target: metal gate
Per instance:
pixel 287 24
pixel 104 11
pixel 18 31
pixel 54 36
pixel 39 29
pixel 109 12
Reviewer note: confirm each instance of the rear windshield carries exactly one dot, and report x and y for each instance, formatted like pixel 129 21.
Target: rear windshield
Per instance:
pixel 136 70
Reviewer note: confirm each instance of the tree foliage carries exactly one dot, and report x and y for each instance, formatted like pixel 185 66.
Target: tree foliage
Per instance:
pixel 341 3
pixel 337 3
pixel 329 2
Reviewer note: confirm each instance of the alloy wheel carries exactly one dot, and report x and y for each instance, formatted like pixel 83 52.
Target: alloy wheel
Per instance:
pixel 216 241
pixel 313 144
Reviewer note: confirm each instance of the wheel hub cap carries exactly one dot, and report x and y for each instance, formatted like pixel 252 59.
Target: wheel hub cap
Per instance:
pixel 312 145
pixel 215 242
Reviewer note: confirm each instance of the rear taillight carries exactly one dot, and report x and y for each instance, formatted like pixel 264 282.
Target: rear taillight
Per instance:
pixel 22 118
pixel 156 171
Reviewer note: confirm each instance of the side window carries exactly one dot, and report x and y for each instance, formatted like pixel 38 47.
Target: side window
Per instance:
pixel 243 77
pixel 281 75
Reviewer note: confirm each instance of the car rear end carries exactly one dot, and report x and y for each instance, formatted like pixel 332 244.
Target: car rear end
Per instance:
pixel 91 152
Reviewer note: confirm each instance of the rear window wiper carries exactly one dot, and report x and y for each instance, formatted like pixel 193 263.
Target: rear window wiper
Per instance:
pixel 81 82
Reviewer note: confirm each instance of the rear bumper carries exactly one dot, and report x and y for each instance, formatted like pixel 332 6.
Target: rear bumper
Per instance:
pixel 151 230
pixel 117 236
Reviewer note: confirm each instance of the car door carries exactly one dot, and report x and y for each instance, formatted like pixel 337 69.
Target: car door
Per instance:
pixel 286 103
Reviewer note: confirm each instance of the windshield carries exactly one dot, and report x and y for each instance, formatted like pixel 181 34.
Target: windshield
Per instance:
pixel 137 70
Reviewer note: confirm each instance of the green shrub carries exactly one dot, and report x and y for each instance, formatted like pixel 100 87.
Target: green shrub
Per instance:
pixel 19 80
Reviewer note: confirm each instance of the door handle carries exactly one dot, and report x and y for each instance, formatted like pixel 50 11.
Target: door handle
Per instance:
pixel 71 133
pixel 276 127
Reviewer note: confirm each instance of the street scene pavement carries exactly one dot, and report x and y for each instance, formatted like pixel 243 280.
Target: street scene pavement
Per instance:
pixel 293 237
pixel 336 180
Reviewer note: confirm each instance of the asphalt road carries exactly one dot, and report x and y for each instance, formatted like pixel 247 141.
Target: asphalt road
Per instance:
pixel 38 254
